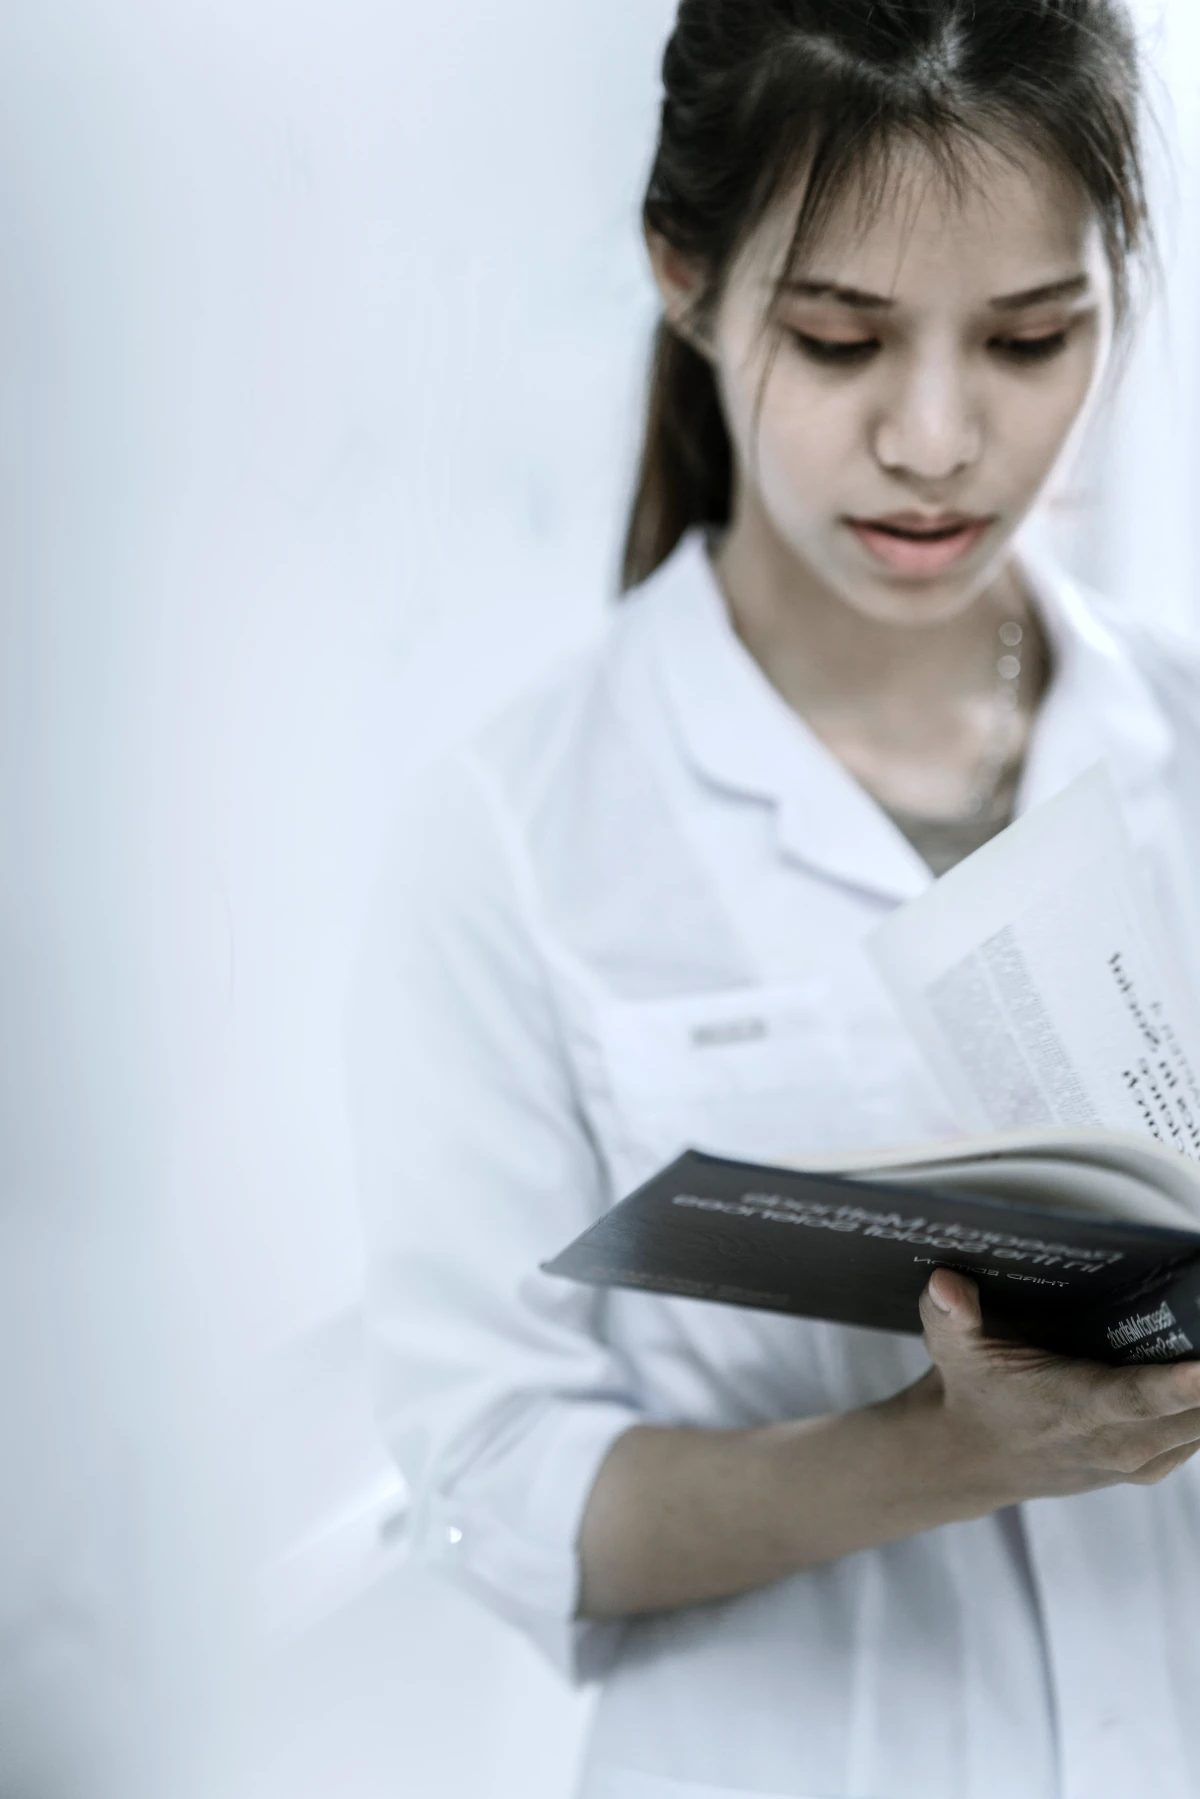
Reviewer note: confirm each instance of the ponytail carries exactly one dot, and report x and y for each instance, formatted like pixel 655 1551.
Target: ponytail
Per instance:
pixel 686 468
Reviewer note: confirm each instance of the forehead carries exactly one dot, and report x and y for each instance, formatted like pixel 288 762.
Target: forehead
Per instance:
pixel 991 222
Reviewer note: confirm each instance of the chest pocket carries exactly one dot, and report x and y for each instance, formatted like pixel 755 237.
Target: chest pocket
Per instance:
pixel 755 1072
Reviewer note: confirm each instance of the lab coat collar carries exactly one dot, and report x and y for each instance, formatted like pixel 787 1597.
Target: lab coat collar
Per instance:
pixel 741 736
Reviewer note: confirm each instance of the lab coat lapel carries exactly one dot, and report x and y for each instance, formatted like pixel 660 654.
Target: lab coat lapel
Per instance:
pixel 742 737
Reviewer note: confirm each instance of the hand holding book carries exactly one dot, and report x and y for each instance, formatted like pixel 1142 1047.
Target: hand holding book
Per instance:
pixel 1041 1425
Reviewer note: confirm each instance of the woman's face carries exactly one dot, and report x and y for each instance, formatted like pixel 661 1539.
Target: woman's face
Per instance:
pixel 925 372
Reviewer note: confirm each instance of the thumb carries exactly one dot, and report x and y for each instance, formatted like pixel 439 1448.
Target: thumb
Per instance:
pixel 950 1313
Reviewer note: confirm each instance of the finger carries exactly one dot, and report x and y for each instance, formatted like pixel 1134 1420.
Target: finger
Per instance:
pixel 950 1313
pixel 1135 1395
pixel 1133 1447
pixel 1159 1466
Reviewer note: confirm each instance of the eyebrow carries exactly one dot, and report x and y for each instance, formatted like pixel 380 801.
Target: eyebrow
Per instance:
pixel 1070 288
pixel 831 290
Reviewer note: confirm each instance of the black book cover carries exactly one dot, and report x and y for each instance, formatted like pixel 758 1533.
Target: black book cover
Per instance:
pixel 860 1252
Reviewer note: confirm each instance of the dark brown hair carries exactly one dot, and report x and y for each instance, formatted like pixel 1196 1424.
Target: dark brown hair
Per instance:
pixel 757 92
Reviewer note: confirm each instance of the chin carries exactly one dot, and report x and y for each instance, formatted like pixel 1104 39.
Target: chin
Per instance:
pixel 908 600
pixel 918 603
pixel 914 603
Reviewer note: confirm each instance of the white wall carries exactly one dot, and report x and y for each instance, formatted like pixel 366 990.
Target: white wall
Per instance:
pixel 400 318
pixel 86 1605
pixel 1131 525
pixel 339 313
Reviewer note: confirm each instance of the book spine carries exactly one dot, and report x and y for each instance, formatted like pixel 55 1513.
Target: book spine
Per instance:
pixel 1161 1324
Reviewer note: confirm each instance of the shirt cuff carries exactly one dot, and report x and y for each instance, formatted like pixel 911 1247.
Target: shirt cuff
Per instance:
pixel 513 1539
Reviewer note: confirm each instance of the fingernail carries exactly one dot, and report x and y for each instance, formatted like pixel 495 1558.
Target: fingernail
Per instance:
pixel 941 1304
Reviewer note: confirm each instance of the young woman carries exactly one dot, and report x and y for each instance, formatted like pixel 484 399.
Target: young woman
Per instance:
pixel 893 240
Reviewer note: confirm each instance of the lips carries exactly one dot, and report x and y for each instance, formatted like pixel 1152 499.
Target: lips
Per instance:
pixel 917 544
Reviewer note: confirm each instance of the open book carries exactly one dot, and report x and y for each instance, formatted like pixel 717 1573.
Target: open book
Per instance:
pixel 1038 986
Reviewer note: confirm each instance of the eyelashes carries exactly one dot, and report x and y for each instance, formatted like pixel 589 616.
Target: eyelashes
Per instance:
pixel 830 352
pixel 836 352
pixel 1031 349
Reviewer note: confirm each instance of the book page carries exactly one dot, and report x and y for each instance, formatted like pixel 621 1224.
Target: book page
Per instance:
pixel 1037 983
pixel 1087 1187
pixel 1066 1161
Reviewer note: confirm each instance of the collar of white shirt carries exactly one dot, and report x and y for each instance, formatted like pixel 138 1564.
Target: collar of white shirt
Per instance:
pixel 740 735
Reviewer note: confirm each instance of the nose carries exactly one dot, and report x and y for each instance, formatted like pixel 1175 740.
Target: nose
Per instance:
pixel 929 427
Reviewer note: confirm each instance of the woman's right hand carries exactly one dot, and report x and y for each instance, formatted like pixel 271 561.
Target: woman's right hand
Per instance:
pixel 1019 1423
pixel 679 1516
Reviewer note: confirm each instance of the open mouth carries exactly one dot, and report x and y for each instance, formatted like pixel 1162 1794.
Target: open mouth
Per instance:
pixel 916 534
pixel 912 547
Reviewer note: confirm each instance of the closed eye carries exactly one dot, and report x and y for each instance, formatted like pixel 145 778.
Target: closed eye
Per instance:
pixel 1030 349
pixel 835 351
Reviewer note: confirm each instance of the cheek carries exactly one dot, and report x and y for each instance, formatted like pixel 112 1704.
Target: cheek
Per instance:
pixel 807 435
pixel 1040 419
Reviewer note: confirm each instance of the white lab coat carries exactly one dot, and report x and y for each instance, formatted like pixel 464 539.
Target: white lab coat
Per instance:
pixel 629 917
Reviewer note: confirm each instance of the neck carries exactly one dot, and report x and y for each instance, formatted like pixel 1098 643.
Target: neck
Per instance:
pixel 908 708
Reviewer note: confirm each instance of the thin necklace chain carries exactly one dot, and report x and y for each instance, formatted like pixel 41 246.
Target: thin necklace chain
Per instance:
pixel 1002 739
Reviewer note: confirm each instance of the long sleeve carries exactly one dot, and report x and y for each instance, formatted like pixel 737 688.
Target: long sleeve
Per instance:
pixel 496 1392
